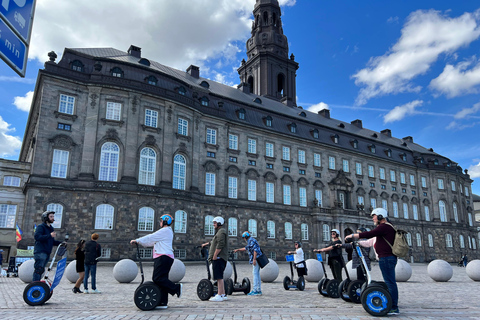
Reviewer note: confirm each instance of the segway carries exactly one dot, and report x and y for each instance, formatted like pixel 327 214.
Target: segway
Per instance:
pixel 233 285
pixel 327 287
pixel 147 295
pixel 205 288
pixel 350 290
pixel 290 282
pixel 38 292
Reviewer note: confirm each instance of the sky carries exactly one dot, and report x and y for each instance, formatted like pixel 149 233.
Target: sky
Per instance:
pixel 409 66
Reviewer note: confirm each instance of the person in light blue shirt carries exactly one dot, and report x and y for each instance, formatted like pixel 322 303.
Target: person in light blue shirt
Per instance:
pixel 254 251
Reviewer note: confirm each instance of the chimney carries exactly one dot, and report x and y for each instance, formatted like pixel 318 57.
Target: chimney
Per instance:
pixel 244 87
pixel 408 139
pixel 387 132
pixel 357 123
pixel 135 51
pixel 194 71
pixel 324 113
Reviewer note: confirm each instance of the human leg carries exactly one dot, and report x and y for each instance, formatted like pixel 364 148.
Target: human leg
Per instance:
pixel 218 267
pixel 336 270
pixel 93 273
pixel 162 266
pixel 387 266
pixel 76 288
pixel 41 260
pixel 85 280
pixel 256 278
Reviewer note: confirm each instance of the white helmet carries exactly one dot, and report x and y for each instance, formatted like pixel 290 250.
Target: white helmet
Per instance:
pixel 380 213
pixel 336 230
pixel 219 220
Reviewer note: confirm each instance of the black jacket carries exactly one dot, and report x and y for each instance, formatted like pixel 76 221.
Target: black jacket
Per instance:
pixel 92 251
pixel 44 242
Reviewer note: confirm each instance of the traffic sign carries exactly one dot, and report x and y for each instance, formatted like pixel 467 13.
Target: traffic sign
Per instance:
pixel 12 50
pixel 19 15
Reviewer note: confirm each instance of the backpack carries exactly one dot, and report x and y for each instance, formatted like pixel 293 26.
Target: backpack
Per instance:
pixel 371 254
pixel 400 247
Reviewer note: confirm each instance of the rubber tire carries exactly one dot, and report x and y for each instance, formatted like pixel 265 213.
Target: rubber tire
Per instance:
pixel 301 283
pixel 332 288
pixel 229 287
pixel 49 296
pixel 286 282
pixel 246 285
pixel 342 290
pixel 147 296
pixel 36 293
pixel 354 290
pixel 204 289
pixel 321 287
pixel 376 301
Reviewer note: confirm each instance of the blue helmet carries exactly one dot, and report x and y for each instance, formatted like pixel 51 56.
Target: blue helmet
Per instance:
pixel 167 219
pixel 246 234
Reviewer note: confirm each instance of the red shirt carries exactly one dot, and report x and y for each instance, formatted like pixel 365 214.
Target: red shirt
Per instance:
pixel 382 248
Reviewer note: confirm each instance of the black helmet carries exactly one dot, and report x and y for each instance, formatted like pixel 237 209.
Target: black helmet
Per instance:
pixel 362 229
pixel 46 214
pixel 299 244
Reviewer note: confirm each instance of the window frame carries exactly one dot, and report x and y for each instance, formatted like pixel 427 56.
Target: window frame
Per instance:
pixel 102 219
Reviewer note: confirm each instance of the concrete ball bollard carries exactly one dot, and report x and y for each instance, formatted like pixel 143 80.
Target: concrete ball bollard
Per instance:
pixel 177 272
pixel 473 270
pixel 25 271
pixel 403 271
pixel 71 272
pixel 352 273
pixel 125 271
pixel 314 270
pixel 270 272
pixel 440 270
pixel 227 273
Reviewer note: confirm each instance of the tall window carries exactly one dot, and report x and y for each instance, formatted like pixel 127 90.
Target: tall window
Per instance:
pixel 210 184
pixel 104 217
pixel 59 163
pixel 424 182
pixel 409 239
pixel 467 192
pixel 232 227
pixel 382 173
pixel 302 194
pixel 304 230
pixel 430 240
pixel 287 194
pixel 180 221
pixel 113 110
pixel 148 160
pixel 462 241
pixel 232 187
pixel 58 209
pixel 331 163
pixel 11 181
pixel 345 165
pixel 412 180
pixel 373 203
pixel 66 104
pixel 252 227
pixel 360 200
pixel 209 230
pixel 384 204
pixel 402 178
pixel 470 220
pixel 392 175
pixel 371 172
pixel 145 219
pixel 151 118
pixel 448 240
pixel 211 136
pixel 252 190
pixel 301 156
pixel 179 167
pixel 405 211
pixel 443 211
pixel 427 213
pixel 109 162
pixel 318 196
pixel 326 232
pixel 270 229
pixel 415 211
pixel 182 127
pixel 286 153
pixel 233 142
pixel 317 160
pixel 7 215
pixel 419 240
pixel 358 168
pixel 341 197
pixel 395 209
pixel 252 146
pixel 288 230
pixel 270 192
pixel 269 149
pixel 453 185
pixel 440 184
pixel 455 212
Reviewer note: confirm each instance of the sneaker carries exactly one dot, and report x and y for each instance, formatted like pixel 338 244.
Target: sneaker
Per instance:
pixel 74 289
pixel 258 293
pixel 224 297
pixel 216 298
pixel 252 293
pixel 180 290
pixel 161 306
pixel 393 312
pixel 86 291
pixel 96 291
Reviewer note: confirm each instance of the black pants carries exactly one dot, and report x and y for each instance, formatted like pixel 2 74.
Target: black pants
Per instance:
pixel 161 268
pixel 336 267
pixel 301 272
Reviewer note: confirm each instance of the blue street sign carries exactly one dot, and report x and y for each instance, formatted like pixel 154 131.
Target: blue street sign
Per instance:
pixel 19 15
pixel 12 50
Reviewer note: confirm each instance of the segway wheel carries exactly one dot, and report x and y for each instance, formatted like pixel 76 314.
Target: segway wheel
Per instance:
pixel 286 282
pixel 147 296
pixel 246 285
pixel 354 290
pixel 342 290
pixel 376 301
pixel 36 293
pixel 332 288
pixel 321 287
pixel 49 296
pixel 229 287
pixel 204 289
pixel 301 283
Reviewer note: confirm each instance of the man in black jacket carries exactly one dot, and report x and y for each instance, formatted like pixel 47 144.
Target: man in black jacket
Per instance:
pixel 44 242
pixel 92 252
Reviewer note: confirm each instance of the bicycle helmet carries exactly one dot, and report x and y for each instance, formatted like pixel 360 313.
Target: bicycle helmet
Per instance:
pixel 336 231
pixel 46 214
pixel 246 234
pixel 299 243
pixel 167 219
pixel 219 221
pixel 380 213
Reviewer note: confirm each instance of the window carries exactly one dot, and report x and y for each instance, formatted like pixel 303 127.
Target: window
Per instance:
pixel 268 121
pixel 179 173
pixel 345 166
pixel 232 187
pixel 412 180
pixel 287 194
pixel 415 212
pixel 354 144
pixel 269 165
pixel 392 175
pixel 326 232
pixel 180 221
pixel 148 160
pixel 372 148
pixel 182 91
pixel 104 217
pixel 384 187
pixel 419 240
pixel 388 152
pixel 11 181
pixel 440 184
pixel 270 196
pixel 302 194
pixel 211 136
pixel 318 197
pixel 360 200
pixel 152 80
pixel 304 230
pixel 301 171
pixel 405 211
pixel 341 197
pixel 252 146
pixel 453 185
pixel 64 126
pixel 358 168
pixel 182 127
pixel 58 209
pixel 252 227
pixel 59 163
pixel 335 138
pixel 455 212
pixel 371 172
pixel 403 156
pixel 116 72
pixel 315 133
pixel 286 153
pixel 210 154
pixel 204 102
pixel 394 188
pixel 384 204
pixel 145 219
pixel 269 149
pixel 109 162
pixel 301 156
pixel 402 178
pixel 372 184
pixel 210 184
pixel 409 239
pixel 241 114
pixel 430 240
pixel 318 174
pixel 293 128
pixel 317 160
pixel 66 104
pixel 382 173
pixel 77 66
pixel 395 209
pixel 233 142
pixel 443 211
pixel 232 227
pixel 462 241
pixel 113 111
pixel 180 253
pixel 232 159
pixel 270 229
pixel 105 253
pixel 7 215
pixel 331 163
pixel 467 194
pixel 424 182
pixel 373 203
pixel 145 253
pixel 209 230
pixel 427 213
pixel 252 162
pixel 288 230
pixel 470 220
pixel 286 169
pixel 252 190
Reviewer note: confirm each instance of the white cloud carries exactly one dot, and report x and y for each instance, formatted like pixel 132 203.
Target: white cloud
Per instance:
pixel 9 145
pixel 317 107
pixel 288 3
pixel 474 170
pixel 24 103
pixel 425 35
pixel 17 79
pixel 454 125
pixel 392 20
pixel 458 80
pixel 466 112
pixel 400 112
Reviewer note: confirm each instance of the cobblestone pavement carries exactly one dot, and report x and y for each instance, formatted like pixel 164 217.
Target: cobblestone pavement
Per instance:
pixel 420 298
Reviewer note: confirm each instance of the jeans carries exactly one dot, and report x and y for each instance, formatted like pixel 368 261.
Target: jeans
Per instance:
pixel 387 266
pixel 256 278
pixel 90 269
pixel 41 260
pixel 161 268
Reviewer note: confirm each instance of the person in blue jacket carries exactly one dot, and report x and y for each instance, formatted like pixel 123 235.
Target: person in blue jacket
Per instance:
pixel 44 242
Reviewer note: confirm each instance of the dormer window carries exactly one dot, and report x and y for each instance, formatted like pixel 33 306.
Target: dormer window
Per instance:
pixel 258 100
pixel 144 61
pixel 241 114
pixel 205 84
pixel 341 125
pixel 403 156
pixel 334 138
pixel 354 144
pixel 435 162
pixel 204 101
pixel 302 114
pixel 268 121
pixel 117 72
pixel 182 91
pixel 293 128
pixel 152 80
pixel 372 148
pixel 77 66
pixel 388 152
pixel 375 135
pixel 315 133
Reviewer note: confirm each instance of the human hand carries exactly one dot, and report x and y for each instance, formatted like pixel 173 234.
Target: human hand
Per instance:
pixel 53 234
pixel 254 262
pixel 132 242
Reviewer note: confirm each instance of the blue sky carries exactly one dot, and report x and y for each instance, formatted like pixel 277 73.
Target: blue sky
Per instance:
pixel 409 66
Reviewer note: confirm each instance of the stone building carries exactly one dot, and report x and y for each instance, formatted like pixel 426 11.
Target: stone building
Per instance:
pixel 115 140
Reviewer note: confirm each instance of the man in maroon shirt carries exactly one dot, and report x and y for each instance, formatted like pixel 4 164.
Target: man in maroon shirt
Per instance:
pixel 387 260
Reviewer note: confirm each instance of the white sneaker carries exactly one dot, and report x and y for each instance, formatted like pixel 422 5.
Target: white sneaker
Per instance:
pixel 96 291
pixel 224 297
pixel 85 291
pixel 216 298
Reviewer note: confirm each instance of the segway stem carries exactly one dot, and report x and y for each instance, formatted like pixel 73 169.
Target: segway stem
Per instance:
pixel 140 262
pixel 364 263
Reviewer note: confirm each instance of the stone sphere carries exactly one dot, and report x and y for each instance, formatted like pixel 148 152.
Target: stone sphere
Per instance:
pixel 314 270
pixel 71 272
pixel 473 270
pixel 352 273
pixel 227 273
pixel 270 272
pixel 177 272
pixel 440 270
pixel 25 271
pixel 125 271
pixel 403 271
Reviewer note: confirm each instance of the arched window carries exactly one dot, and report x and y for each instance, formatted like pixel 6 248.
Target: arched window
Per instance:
pixel 293 128
pixel 474 244
pixel 179 169
pixel 117 72
pixel 455 212
pixel 209 229
pixel 270 229
pixel 77 66
pixel 58 209
pixel 335 138
pixel 205 84
pixel 470 219
pixel 252 227
pixel 250 83
pixel 182 91
pixel 280 85
pixel 109 162
pixel 144 61
pixel 11 181
pixel 204 102
pixel 304 229
pixel 315 133
pixel 326 232
pixel 104 217
pixel 443 211
pixel 427 213
pixel 268 121
pixel 462 241
pixel 180 221
pixel 232 227
pixel 409 239
pixel 354 144
pixel 388 152
pixel 288 230
pixel 241 114
pixel 448 240
pixel 152 80
pixel 145 219
pixel 148 160
pixel 430 241
pixel 372 148
pixel 419 240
